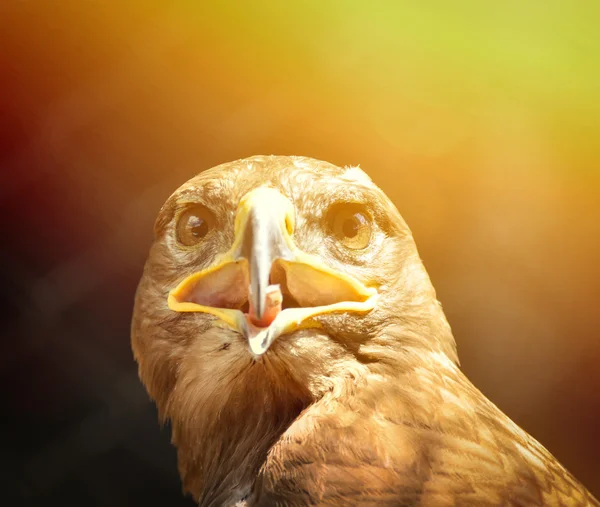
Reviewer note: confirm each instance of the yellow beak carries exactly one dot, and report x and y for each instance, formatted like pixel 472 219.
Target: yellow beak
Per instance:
pixel 264 286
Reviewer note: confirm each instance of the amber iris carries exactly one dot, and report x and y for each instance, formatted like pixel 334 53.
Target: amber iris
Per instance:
pixel 351 224
pixel 194 224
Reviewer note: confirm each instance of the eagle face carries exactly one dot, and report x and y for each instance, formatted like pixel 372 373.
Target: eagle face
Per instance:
pixel 270 283
pixel 287 329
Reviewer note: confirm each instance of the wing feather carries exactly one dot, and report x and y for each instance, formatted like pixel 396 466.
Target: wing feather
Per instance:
pixel 431 441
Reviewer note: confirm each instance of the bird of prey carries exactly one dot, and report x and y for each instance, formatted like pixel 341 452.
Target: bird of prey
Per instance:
pixel 288 330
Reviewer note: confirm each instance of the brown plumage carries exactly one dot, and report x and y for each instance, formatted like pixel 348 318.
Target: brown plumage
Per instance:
pixel 360 403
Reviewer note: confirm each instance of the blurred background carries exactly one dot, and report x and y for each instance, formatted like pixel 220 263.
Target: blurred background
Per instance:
pixel 479 119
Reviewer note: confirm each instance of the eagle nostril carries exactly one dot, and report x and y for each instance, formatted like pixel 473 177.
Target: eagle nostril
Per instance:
pixel 289 225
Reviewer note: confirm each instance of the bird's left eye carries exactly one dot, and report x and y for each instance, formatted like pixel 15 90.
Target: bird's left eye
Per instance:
pixel 351 224
pixel 194 224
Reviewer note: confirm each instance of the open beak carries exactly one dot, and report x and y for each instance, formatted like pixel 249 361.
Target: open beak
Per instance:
pixel 264 286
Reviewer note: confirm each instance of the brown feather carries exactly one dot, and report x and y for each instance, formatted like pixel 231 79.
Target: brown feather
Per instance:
pixel 366 410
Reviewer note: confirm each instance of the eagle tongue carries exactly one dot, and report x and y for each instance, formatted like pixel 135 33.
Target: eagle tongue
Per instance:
pixel 273 300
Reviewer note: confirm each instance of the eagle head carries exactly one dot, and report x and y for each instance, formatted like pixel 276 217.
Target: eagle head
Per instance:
pixel 270 284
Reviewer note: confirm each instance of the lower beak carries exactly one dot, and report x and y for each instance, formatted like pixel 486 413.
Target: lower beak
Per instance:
pixel 264 286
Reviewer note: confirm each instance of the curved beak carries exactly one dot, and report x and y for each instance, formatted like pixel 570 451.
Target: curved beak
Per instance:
pixel 265 286
pixel 266 218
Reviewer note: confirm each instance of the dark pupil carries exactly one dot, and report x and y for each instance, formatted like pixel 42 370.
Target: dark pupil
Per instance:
pixel 198 227
pixel 350 227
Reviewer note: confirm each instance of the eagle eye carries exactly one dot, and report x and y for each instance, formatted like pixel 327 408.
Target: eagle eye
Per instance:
pixel 351 224
pixel 194 224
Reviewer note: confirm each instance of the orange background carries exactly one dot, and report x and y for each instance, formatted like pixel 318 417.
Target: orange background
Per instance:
pixel 480 121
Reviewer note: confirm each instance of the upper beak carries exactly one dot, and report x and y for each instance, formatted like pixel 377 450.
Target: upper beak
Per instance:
pixel 266 219
pixel 281 287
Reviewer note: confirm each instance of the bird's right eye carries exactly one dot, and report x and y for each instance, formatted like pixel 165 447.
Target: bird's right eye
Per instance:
pixel 194 224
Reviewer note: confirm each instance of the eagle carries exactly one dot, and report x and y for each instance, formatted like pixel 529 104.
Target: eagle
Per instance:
pixel 287 330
